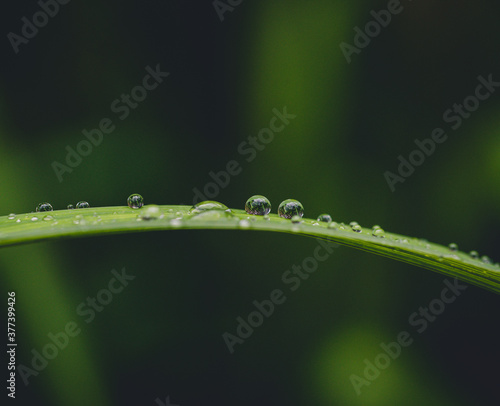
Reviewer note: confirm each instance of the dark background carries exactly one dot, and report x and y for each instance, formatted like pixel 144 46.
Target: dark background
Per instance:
pixel 162 336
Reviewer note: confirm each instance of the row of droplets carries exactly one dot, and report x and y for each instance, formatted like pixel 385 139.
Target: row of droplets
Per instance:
pixel 258 205
pixel 48 207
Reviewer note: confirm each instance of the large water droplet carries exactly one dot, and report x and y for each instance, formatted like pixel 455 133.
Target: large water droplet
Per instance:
pixel 325 218
pixel 258 205
pixel 135 201
pixel 44 207
pixel 82 205
pixel 207 205
pixel 289 208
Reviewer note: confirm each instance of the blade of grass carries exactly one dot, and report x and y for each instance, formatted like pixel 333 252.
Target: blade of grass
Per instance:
pixel 31 227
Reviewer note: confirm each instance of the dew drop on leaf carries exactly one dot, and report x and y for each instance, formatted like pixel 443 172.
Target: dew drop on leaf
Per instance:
pixel 244 224
pixel 356 227
pixel 207 205
pixel 135 201
pixel 44 207
pixel 453 247
pixel 150 212
pixel 258 205
pixel 325 218
pixel 474 254
pixel 70 207
pixel 486 259
pixel 378 232
pixel 82 205
pixel 289 208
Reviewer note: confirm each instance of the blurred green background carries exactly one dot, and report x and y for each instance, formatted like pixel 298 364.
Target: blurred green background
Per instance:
pixel 162 335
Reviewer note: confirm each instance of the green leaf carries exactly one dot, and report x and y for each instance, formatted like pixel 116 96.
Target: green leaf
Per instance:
pixel 31 227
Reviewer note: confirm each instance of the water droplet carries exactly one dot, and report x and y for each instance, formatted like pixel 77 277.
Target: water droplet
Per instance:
pixel 176 222
pixel 244 224
pixel 48 218
pixel 289 208
pixel 70 207
pixel 325 218
pixel 258 205
pixel 44 207
pixel 82 205
pixel 453 247
pixel 207 205
pixel 474 254
pixel 18 220
pixel 353 223
pixel 378 232
pixel 34 218
pixel 333 225
pixel 135 201
pixel 486 259
pixel 356 227
pixel 12 216
pixel 296 219
pixel 150 212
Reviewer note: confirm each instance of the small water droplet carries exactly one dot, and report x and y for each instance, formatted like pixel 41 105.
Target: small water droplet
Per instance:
pixel 258 205
pixel 12 216
pixel 44 207
pixel 207 205
pixel 70 207
pixel 34 218
pixel 378 232
pixel 474 254
pixel 376 227
pixel 353 223
pixel 244 224
pixel 325 218
pixel 356 228
pixel 289 208
pixel 150 212
pixel 296 219
pixel 453 247
pixel 18 220
pixel 82 205
pixel 176 222
pixel 333 225
pixel 486 259
pixel 135 201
